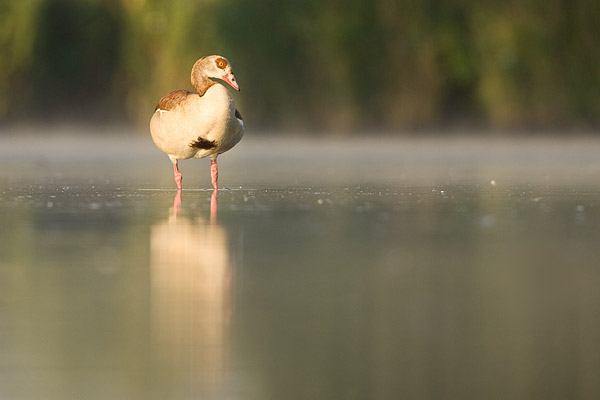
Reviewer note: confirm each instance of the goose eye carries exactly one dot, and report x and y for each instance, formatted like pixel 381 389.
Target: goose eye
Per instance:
pixel 221 63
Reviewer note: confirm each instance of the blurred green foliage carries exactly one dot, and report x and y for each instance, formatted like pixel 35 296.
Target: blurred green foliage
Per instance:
pixel 315 64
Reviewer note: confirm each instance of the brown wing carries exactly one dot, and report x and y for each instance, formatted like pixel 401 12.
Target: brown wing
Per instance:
pixel 172 99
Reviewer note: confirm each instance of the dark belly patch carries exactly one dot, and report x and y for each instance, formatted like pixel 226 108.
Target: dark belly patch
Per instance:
pixel 204 144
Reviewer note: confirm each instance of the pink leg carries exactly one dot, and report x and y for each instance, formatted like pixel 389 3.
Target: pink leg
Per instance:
pixel 214 173
pixel 177 174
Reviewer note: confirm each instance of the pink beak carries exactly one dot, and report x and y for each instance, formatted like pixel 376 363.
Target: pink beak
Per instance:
pixel 229 78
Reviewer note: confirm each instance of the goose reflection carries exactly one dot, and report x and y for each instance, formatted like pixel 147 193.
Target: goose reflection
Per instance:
pixel 190 277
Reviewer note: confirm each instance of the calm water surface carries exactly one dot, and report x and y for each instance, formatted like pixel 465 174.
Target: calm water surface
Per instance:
pixel 419 269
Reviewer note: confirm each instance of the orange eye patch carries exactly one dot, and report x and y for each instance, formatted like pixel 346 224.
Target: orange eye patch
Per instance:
pixel 221 63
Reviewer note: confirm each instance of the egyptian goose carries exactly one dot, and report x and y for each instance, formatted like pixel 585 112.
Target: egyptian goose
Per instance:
pixel 201 124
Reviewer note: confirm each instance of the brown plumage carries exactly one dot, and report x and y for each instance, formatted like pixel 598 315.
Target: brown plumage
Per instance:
pixel 168 101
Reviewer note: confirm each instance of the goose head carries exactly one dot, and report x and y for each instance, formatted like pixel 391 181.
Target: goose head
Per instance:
pixel 212 67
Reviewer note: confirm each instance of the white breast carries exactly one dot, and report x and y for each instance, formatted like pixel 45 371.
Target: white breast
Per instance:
pixel 211 117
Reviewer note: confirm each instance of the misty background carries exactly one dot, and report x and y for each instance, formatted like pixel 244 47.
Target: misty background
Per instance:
pixel 327 65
